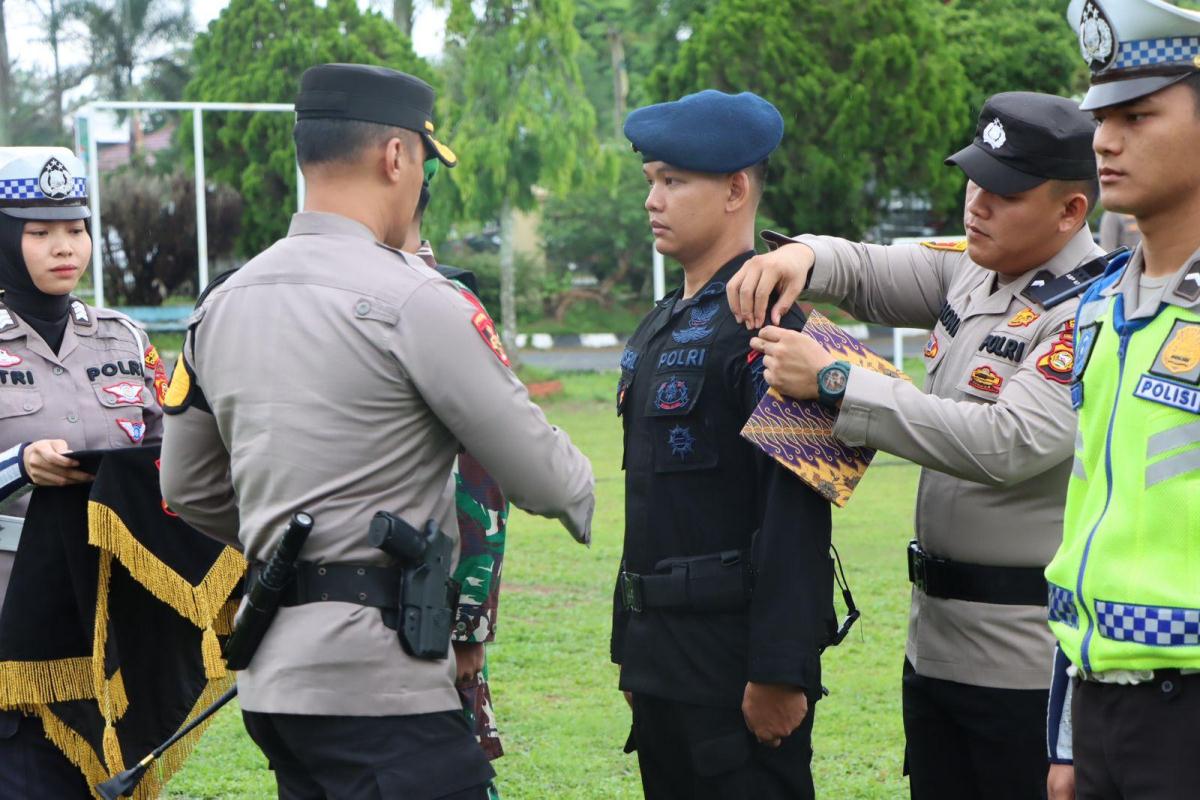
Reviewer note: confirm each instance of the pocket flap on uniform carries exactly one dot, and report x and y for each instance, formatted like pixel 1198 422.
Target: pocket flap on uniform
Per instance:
pixel 674 394
pixel 18 403
pixel 116 394
pixel 712 757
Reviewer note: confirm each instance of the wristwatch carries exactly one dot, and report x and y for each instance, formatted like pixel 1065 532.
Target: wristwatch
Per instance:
pixel 831 384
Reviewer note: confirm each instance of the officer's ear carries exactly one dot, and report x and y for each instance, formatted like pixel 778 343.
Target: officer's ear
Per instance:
pixel 1076 199
pixel 740 191
pixel 400 154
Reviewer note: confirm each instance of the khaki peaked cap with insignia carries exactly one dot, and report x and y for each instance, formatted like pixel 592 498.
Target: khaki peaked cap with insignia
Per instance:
pixel 371 94
pixel 42 183
pixel 1134 47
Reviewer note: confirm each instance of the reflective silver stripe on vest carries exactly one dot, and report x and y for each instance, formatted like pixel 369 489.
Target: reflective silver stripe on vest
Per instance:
pixel 10 532
pixel 1173 466
pixel 1077 467
pixel 1172 439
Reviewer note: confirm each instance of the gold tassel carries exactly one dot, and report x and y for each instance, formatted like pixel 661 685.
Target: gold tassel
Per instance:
pixel 200 604
pixel 173 760
pixel 210 649
pixel 223 624
pixel 112 750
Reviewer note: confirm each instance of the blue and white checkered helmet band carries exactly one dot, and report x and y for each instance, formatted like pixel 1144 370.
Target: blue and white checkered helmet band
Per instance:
pixel 29 189
pixel 1150 625
pixel 1183 50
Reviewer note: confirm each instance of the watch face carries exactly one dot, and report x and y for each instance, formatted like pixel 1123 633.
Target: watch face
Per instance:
pixel 833 381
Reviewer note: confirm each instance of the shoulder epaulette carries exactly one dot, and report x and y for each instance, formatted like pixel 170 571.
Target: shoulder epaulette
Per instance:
pixel 464 276
pixel 1049 293
pixel 950 247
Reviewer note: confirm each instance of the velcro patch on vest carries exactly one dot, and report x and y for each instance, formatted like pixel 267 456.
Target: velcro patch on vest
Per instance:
pixel 682 358
pixel 1085 341
pixel 1001 346
pixel 1179 357
pixel 1168 393
pixel 674 394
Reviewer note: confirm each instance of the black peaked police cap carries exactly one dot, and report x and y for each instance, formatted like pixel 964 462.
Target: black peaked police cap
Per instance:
pixel 1024 139
pixel 371 94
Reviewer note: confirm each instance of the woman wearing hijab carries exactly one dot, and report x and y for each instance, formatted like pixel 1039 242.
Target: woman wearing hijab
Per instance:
pixel 72 377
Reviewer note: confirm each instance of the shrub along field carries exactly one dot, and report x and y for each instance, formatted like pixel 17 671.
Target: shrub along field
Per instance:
pixel 562 719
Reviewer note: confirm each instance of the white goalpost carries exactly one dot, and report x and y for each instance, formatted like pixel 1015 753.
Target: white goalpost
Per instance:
pixel 88 115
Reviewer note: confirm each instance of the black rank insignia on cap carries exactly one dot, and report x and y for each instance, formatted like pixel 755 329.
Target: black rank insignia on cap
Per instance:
pixel 1096 39
pixel 55 181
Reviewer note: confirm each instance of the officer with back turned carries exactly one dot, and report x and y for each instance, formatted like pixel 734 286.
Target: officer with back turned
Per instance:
pixel 370 374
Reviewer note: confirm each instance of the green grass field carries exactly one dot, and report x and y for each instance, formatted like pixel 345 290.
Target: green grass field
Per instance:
pixel 562 719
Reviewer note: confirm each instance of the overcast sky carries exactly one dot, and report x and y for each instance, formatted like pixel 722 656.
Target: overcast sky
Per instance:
pixel 27 46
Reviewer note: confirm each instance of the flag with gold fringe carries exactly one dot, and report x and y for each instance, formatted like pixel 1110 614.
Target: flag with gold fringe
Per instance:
pixel 110 630
pixel 799 433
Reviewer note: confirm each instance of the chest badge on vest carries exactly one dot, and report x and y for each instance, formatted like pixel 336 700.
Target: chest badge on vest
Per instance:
pixel 8 359
pixel 681 441
pixel 1179 357
pixel 126 393
pixel 699 323
pixel 985 379
pixel 672 394
pixel 134 429
pixel 1023 318
pixel 1085 338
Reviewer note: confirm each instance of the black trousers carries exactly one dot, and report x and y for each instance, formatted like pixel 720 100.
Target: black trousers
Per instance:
pixel 418 757
pixel 1138 742
pixel 973 742
pixel 689 752
pixel 31 768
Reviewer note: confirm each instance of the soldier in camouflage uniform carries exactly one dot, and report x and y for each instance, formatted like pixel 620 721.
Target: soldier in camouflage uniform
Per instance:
pixel 482 522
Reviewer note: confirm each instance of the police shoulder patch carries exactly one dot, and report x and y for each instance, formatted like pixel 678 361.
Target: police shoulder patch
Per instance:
pixel 182 392
pixel 950 247
pixel 482 321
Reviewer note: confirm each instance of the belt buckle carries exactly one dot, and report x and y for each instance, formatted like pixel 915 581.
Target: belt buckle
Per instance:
pixel 631 591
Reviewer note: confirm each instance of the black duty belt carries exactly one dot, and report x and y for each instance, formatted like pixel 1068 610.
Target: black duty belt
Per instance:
pixel 978 583
pixel 378 587
pixel 717 583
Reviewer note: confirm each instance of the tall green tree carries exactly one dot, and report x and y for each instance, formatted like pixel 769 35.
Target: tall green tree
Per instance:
pixel 136 49
pixel 256 51
pixel 870 93
pixel 1013 45
pixel 516 113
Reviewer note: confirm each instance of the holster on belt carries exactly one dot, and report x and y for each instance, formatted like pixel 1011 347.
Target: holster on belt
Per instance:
pixel 716 583
pixel 976 583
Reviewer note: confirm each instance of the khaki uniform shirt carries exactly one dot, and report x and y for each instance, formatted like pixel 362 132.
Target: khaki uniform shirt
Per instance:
pixel 994 431
pixel 342 377
pixel 101 390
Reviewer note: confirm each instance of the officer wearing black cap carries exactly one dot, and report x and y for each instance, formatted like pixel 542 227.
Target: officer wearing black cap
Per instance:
pixel 369 373
pixel 993 429
pixel 1125 606
pixel 724 597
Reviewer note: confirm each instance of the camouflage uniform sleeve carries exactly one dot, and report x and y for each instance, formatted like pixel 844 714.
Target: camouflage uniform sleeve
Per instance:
pixel 482 524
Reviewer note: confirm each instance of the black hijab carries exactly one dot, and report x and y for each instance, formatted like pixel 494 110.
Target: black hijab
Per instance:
pixel 45 313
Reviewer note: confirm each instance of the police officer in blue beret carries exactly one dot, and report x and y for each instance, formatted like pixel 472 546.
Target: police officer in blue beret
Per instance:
pixel 724 597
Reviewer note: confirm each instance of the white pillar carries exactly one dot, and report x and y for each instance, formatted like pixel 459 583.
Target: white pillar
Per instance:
pixel 898 348
pixel 201 198
pixel 94 199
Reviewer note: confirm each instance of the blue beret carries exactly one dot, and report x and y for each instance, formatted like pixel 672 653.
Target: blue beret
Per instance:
pixel 709 131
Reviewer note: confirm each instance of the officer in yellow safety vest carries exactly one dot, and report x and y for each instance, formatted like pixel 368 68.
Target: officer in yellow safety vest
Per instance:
pixel 1125 584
